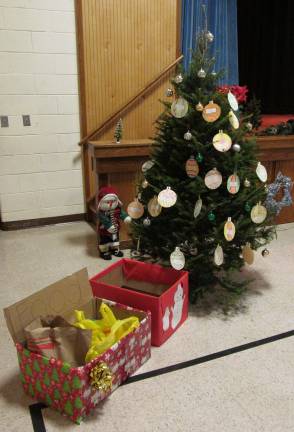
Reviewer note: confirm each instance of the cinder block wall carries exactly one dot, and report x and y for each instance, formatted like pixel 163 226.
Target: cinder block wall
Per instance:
pixel 40 166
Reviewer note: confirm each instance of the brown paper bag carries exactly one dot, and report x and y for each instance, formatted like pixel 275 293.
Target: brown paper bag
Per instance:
pixel 53 336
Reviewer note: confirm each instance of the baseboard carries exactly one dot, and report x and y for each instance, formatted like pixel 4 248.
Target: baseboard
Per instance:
pixel 32 223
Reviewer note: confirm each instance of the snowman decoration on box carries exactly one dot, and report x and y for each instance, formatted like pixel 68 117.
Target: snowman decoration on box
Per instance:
pixel 177 310
pixel 109 214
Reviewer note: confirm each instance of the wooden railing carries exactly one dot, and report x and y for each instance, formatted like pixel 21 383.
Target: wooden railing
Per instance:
pixel 115 116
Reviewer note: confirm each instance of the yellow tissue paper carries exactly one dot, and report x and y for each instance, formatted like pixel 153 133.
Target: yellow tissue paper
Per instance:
pixel 106 331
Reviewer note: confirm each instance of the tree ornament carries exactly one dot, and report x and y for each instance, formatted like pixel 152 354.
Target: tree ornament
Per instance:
pixel 201 73
pixel 145 184
pixel 286 184
pixel 177 259
pixel 236 147
pixel 265 253
pixel 213 179
pixel 179 107
pixel 247 207
pixel 167 197
pixel 213 73
pixel 188 136
pixel 229 230
pixel 233 120
pixel 261 172
pixel 147 165
pixel 258 213
pixel 211 112
pixel 198 207
pixel 118 131
pixel 135 209
pixel 169 92
pixel 222 142
pixel 211 216
pixel 199 157
pixel 233 101
pixel 154 207
pixel 233 184
pixel 199 107
pixel 247 183
pixel 178 79
pixel 192 168
pixel 218 255
pixel 249 126
pixel 209 36
pixel 248 254
pixel 147 222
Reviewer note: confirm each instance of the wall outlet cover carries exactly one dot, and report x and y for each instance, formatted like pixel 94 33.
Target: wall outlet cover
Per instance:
pixel 26 120
pixel 4 121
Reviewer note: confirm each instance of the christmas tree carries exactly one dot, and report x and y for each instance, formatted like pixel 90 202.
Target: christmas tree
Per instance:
pixel 203 189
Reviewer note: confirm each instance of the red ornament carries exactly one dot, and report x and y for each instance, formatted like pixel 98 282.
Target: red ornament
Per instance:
pixel 58 363
pixel 53 383
pixel 52 361
pixel 44 387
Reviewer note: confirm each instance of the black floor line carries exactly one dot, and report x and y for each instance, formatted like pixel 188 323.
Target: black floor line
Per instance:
pixel 36 409
pixel 209 357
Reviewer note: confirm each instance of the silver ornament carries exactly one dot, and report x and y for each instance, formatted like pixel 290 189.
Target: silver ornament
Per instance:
pixel 249 126
pixel 201 73
pixel 139 196
pixel 178 79
pixel 169 92
pixel 188 136
pixel 247 183
pixel 236 147
pixel 213 73
pixel 265 253
pixel 286 184
pixel 209 36
pixel 145 184
pixel 147 222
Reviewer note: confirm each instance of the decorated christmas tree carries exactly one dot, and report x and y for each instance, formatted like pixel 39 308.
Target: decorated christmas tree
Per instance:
pixel 200 205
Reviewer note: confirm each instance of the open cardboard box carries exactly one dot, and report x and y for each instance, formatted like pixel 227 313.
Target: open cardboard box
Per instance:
pixel 149 287
pixel 71 390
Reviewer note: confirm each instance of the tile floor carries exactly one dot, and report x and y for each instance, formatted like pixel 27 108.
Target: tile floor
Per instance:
pixel 251 391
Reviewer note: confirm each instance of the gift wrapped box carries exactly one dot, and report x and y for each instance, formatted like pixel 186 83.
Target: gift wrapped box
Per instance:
pixel 75 390
pixel 150 287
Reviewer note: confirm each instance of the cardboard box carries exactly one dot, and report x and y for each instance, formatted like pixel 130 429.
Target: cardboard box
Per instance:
pixel 75 391
pixel 162 291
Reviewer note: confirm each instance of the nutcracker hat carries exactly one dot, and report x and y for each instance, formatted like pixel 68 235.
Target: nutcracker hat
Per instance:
pixel 107 192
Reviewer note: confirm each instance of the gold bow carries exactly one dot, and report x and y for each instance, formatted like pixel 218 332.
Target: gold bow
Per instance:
pixel 101 377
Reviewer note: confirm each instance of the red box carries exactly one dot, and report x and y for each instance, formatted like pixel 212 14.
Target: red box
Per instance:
pixel 145 286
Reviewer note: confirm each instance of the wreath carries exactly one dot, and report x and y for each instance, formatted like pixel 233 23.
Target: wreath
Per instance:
pixel 271 203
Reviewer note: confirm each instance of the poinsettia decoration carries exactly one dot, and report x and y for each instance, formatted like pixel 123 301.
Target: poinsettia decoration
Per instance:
pixel 239 91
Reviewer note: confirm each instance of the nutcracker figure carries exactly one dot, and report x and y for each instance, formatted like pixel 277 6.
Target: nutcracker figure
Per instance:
pixel 109 214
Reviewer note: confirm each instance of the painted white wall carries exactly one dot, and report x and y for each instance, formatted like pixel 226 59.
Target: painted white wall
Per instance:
pixel 40 165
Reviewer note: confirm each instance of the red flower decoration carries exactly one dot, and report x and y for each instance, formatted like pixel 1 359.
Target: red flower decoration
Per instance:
pixel 239 91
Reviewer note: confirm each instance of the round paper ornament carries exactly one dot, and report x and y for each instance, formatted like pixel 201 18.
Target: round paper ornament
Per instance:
pixel 135 209
pixel 233 184
pixel 211 112
pixel 233 120
pixel 258 213
pixel 179 107
pixel 218 255
pixel 154 207
pixel 233 101
pixel 192 168
pixel 229 230
pixel 261 172
pixel 147 165
pixel 222 141
pixel 177 259
pixel 197 208
pixel 167 197
pixel 248 254
pixel 199 107
pixel 213 179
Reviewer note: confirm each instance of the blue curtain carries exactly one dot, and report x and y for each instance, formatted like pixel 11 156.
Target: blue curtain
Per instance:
pixel 222 22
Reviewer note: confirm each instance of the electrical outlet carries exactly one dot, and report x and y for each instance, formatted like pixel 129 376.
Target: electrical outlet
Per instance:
pixel 4 121
pixel 26 120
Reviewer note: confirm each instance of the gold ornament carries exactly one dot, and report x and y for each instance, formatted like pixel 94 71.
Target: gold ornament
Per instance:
pixel 222 141
pixel 154 207
pixel 248 254
pixel 247 183
pixel 233 120
pixel 229 230
pixel 135 209
pixel 258 213
pixel 145 184
pixel 101 377
pixel 199 106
